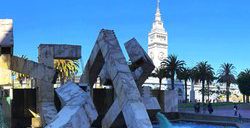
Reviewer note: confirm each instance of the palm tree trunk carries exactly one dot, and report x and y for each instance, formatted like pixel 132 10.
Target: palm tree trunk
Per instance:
pixel 159 94
pixel 203 91
pixel 244 98
pixel 208 91
pixel 186 91
pixel 172 82
pixel 228 92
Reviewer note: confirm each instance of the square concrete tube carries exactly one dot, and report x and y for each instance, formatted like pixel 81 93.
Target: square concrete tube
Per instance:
pixel 117 68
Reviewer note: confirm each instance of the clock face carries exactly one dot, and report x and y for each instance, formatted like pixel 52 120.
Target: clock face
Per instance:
pixel 151 55
pixel 161 56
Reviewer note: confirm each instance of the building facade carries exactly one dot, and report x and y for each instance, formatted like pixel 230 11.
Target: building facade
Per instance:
pixel 158 51
pixel 158 39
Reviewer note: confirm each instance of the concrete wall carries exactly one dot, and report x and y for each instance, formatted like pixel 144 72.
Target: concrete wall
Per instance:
pixel 5 77
pixel 24 99
pixel 6 110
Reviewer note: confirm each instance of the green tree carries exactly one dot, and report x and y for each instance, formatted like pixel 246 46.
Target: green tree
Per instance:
pixel 67 68
pixel 160 73
pixel 244 83
pixel 209 80
pixel 172 65
pixel 204 71
pixel 194 75
pixel 20 76
pixel 184 75
pixel 226 75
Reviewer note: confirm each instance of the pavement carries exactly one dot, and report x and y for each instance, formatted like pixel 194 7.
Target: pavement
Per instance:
pixel 227 111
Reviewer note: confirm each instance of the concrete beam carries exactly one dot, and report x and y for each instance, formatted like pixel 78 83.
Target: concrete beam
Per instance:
pixel 144 68
pixel 45 94
pixel 6 33
pixel 128 96
pixel 63 51
pixel 78 107
pixel 6 36
pixel 31 68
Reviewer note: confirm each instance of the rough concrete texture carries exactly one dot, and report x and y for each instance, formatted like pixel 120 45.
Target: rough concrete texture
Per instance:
pixel 34 69
pixel 78 109
pixel 45 94
pixel 45 90
pixel 170 101
pixel 107 51
pixel 128 96
pixel 93 67
pixel 6 33
pixel 144 68
pixel 48 111
pixel 63 51
pixel 149 101
pixel 141 59
pixel 5 61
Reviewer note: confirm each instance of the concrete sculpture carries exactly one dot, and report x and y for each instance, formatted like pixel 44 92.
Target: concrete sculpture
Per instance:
pixel 83 112
pixel 107 51
pixel 45 90
pixel 142 69
pixel 78 110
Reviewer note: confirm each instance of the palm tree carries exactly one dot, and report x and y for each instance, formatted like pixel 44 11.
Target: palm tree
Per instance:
pixel 172 65
pixel 203 73
pixel 210 78
pixel 67 68
pixel 160 73
pixel 244 83
pixel 194 75
pixel 226 75
pixel 185 75
pixel 20 76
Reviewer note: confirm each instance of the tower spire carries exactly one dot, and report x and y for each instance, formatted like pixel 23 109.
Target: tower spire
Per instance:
pixel 158 4
pixel 158 13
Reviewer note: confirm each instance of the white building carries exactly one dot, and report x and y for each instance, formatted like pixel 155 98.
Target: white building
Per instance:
pixel 158 39
pixel 158 51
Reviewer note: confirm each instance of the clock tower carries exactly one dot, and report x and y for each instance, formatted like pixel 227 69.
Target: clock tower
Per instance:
pixel 158 39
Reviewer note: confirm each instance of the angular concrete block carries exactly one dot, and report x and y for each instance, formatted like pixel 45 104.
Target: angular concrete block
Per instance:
pixel 170 101
pixel 151 103
pixel 63 51
pixel 125 87
pixel 78 109
pixel 116 63
pixel 36 70
pixel 104 76
pixel 116 68
pixel 90 109
pixel 6 33
pixel 71 94
pixel 107 41
pixel 45 91
pixel 5 61
pixel 70 117
pixel 49 111
pixel 111 115
pixel 140 58
pixel 136 116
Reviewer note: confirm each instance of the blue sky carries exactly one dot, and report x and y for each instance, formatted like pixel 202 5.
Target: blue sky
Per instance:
pixel 214 30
